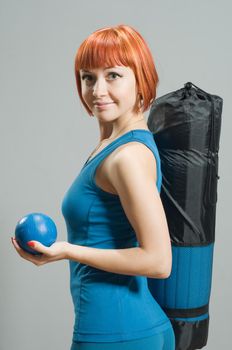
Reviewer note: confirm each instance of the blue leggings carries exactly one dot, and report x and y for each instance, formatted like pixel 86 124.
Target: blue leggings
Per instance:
pixel 160 341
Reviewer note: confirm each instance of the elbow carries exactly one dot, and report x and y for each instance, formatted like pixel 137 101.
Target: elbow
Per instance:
pixel 166 264
pixel 162 272
pixel 167 269
pixel 165 273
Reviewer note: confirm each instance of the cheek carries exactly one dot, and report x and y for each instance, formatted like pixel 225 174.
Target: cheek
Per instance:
pixel 128 98
pixel 86 95
pixel 128 92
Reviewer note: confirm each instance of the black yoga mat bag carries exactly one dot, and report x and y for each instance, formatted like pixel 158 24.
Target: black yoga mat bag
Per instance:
pixel 186 126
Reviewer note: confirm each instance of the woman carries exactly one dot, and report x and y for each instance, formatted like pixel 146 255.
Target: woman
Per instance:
pixel 117 229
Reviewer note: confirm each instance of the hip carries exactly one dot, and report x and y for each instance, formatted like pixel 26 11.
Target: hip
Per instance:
pixel 164 340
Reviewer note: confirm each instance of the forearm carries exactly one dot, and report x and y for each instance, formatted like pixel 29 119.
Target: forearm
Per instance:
pixel 129 261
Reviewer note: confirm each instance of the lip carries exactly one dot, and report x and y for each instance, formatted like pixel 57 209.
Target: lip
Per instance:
pixel 103 105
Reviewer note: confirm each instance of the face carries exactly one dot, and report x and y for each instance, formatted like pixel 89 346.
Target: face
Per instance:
pixel 110 93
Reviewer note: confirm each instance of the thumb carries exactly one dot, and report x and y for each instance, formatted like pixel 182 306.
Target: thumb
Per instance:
pixel 39 247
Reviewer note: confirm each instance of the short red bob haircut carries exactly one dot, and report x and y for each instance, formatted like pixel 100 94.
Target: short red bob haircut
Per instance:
pixel 119 45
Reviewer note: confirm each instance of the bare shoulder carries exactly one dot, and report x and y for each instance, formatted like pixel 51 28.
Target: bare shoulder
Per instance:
pixel 130 158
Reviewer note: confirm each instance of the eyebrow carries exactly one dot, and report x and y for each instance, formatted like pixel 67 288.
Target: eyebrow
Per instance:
pixel 84 70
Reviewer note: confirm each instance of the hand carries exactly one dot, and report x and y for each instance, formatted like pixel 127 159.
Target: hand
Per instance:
pixel 57 251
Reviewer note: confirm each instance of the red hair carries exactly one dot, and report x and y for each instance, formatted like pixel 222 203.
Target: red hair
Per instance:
pixel 119 45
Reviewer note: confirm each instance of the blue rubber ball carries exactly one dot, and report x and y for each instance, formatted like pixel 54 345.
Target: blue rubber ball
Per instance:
pixel 35 227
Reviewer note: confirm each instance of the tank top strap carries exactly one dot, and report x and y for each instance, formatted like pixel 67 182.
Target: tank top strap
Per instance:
pixel 141 135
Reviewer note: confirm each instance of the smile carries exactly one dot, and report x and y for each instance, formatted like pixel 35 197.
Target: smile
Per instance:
pixel 104 105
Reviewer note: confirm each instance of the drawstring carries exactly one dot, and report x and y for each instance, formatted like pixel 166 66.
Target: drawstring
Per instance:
pixel 212 151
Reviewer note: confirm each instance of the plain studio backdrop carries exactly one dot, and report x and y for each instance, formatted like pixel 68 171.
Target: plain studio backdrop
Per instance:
pixel 46 136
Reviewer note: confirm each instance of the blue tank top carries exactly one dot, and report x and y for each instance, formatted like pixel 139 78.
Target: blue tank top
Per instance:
pixel 109 307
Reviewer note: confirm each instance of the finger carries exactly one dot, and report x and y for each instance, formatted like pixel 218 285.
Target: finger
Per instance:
pixel 16 245
pixel 39 247
pixel 21 251
pixel 34 259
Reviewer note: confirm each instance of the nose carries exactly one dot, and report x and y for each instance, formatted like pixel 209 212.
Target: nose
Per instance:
pixel 100 87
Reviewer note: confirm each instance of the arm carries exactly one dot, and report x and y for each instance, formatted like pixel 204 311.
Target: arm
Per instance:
pixel 132 174
pixel 128 261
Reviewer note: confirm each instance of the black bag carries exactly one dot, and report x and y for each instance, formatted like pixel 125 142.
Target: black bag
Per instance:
pixel 186 126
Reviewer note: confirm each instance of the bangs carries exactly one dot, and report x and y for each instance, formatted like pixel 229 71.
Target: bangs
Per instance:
pixel 103 50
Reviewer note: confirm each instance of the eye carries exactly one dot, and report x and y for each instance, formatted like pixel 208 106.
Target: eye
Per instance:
pixel 84 76
pixel 114 73
pixel 89 76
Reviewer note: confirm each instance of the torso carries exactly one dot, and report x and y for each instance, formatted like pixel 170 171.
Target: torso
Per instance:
pixel 91 222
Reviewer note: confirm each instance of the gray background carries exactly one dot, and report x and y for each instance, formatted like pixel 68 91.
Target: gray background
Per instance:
pixel 46 135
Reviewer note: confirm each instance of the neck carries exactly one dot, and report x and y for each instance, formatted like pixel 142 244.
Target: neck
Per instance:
pixel 111 130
